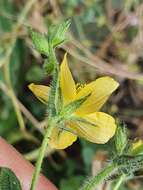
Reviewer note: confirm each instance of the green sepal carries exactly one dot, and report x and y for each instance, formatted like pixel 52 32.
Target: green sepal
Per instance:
pixel 48 66
pixel 8 180
pixel 138 150
pixel 56 34
pixel 62 126
pixel 40 42
pixel 73 106
pixel 121 140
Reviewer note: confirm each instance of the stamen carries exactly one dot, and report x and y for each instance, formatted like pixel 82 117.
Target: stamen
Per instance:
pixel 79 86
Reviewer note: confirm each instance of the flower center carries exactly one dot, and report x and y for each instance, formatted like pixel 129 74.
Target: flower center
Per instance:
pixel 79 86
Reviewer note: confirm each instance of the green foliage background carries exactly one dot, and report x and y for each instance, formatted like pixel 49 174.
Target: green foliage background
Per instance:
pixel 105 37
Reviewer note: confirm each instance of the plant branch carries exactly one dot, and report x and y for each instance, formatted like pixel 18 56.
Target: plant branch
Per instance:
pixel 93 182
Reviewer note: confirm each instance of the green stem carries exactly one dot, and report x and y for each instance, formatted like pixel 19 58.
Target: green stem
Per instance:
pixel 33 155
pixel 119 182
pixel 52 120
pixel 54 93
pixel 52 105
pixel 93 182
pixel 42 153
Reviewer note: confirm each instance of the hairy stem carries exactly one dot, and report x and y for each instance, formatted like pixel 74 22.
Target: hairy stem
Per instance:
pixel 54 92
pixel 42 151
pixel 51 120
pixel 93 182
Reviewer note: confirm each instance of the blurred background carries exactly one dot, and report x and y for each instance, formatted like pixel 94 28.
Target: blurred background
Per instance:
pixel 105 38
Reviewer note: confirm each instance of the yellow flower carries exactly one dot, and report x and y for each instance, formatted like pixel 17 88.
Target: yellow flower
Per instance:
pixel 100 127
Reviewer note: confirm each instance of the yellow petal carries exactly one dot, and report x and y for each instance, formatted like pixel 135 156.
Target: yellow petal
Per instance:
pixel 40 91
pixel 137 147
pixel 137 144
pixel 103 129
pixel 66 82
pixel 61 139
pixel 100 91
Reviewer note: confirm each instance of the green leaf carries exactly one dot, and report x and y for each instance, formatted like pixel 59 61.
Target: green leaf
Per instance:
pixel 121 139
pixel 57 33
pixel 8 180
pixel 40 42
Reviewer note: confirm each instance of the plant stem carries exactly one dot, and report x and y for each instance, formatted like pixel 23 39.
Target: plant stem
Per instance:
pixel 42 153
pixel 93 182
pixel 51 120
pixel 54 93
pixel 120 180
pixel 33 155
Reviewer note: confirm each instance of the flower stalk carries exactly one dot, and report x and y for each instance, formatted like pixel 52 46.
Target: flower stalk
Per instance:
pixel 51 119
pixel 42 151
